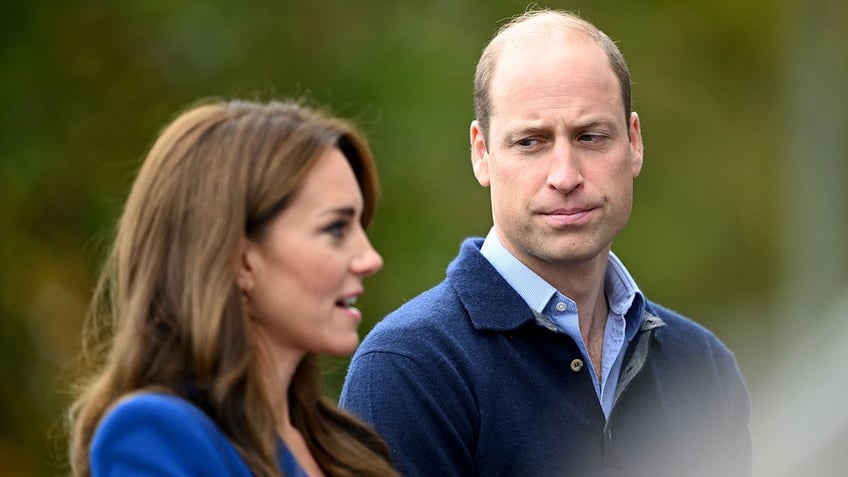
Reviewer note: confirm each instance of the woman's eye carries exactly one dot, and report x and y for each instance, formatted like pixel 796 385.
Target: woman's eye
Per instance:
pixel 337 229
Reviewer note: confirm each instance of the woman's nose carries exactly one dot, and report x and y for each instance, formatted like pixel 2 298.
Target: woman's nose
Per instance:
pixel 368 261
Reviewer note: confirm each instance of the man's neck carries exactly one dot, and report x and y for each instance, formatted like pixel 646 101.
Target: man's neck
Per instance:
pixel 585 284
pixel 593 320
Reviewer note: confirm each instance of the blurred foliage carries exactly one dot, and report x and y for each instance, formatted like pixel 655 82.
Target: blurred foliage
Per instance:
pixel 87 85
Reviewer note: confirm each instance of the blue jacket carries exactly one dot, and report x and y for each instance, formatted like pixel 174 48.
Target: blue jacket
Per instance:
pixel 463 381
pixel 152 434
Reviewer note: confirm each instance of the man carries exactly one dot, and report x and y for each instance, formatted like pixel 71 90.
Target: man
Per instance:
pixel 539 354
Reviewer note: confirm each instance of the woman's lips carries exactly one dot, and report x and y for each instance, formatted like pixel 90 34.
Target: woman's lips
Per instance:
pixel 347 305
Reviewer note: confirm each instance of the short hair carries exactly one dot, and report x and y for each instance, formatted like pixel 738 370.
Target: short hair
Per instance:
pixel 553 19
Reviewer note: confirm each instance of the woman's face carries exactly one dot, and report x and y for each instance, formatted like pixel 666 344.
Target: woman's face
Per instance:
pixel 305 272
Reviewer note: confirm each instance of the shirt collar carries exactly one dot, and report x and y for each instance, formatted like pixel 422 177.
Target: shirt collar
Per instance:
pixel 621 289
pixel 623 295
pixel 535 291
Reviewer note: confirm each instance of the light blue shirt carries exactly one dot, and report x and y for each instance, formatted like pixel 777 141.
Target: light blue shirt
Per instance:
pixel 561 311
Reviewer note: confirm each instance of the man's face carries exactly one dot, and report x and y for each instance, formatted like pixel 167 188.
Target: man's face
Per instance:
pixel 560 162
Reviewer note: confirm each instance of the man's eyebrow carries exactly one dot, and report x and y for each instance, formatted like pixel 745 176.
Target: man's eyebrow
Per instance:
pixel 525 130
pixel 594 122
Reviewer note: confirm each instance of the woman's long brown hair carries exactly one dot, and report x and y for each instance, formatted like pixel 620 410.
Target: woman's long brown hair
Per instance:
pixel 166 313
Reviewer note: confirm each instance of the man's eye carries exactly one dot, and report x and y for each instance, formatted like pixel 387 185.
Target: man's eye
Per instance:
pixel 591 138
pixel 527 142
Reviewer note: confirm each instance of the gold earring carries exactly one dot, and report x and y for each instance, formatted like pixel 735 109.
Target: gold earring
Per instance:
pixel 245 288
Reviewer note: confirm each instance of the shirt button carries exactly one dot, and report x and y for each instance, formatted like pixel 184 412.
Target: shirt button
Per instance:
pixel 576 365
pixel 561 307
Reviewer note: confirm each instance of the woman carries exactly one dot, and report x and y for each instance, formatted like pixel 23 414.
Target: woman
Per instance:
pixel 239 256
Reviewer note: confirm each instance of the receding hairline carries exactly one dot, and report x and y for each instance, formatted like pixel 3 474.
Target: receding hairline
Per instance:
pixel 538 27
pixel 536 36
pixel 544 24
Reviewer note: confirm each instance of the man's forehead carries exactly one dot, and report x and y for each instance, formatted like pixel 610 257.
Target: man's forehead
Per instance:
pixel 554 71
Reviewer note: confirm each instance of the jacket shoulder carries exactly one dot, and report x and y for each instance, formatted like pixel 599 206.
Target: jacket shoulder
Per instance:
pixel 154 433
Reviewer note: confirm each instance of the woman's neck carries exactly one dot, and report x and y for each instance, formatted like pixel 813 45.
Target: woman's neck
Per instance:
pixel 278 368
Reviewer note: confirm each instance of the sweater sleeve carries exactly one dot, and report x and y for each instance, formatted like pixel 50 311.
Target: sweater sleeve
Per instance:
pixel 738 448
pixel 419 406
pixel 160 435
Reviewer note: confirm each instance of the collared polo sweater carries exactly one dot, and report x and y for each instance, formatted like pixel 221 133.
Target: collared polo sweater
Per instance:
pixel 463 381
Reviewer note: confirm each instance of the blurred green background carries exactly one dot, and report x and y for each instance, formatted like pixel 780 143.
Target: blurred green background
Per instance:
pixel 739 218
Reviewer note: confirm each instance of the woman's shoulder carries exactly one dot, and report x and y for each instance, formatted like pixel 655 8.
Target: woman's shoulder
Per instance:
pixel 151 432
pixel 144 405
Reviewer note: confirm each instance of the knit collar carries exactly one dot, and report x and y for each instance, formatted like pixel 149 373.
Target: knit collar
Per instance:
pixel 491 303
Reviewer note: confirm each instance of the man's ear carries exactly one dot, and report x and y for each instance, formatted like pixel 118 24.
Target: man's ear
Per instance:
pixel 479 154
pixel 637 149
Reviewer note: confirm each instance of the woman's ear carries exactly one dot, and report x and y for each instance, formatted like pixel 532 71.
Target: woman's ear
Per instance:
pixel 244 265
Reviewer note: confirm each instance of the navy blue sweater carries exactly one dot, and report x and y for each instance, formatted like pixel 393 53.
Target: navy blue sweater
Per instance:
pixel 463 381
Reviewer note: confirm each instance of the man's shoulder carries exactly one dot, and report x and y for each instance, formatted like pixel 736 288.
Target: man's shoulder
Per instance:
pixel 427 305
pixel 677 322
pixel 442 317
pixel 686 334
pixel 434 311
